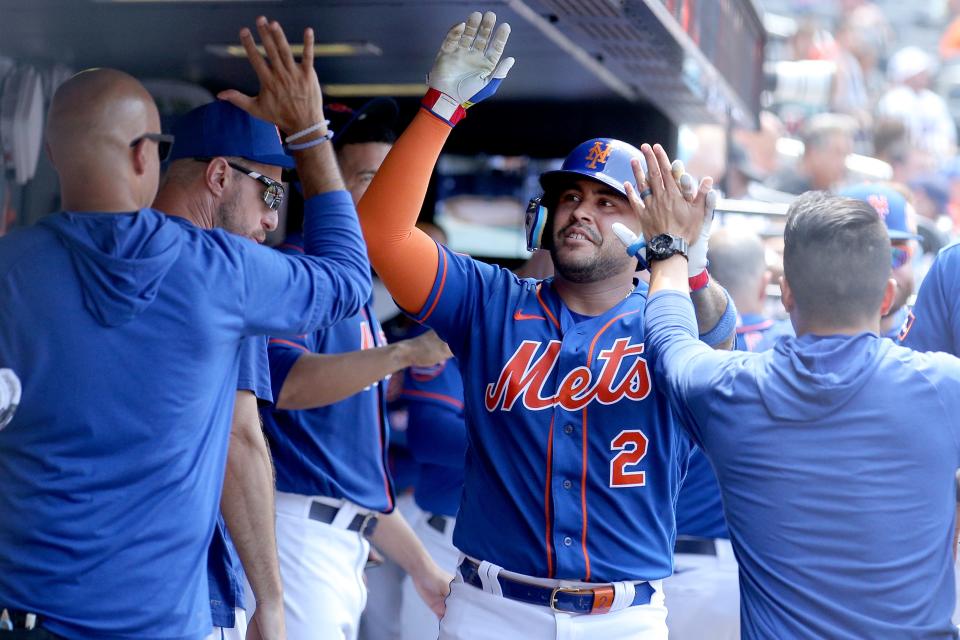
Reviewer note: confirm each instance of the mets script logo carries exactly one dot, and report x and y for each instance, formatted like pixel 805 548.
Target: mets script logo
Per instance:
pixel 598 153
pixel 525 376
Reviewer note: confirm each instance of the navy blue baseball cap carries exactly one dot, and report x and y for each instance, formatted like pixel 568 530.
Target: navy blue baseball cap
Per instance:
pixel 221 129
pixel 602 159
pixel 371 120
pixel 889 204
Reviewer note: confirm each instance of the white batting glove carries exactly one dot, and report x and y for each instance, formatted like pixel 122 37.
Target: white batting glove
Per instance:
pixel 697 253
pixel 468 67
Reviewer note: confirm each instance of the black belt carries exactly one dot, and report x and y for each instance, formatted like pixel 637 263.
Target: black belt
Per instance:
pixel 366 523
pixel 438 523
pixel 695 546
pixel 596 599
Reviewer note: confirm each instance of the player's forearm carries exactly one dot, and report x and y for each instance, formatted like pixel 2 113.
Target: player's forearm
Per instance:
pixel 317 380
pixel 394 537
pixel 247 501
pixel 715 312
pixel 318 170
pixel 403 256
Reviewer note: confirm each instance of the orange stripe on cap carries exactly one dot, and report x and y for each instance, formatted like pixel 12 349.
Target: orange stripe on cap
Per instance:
pixel 289 344
pixel 546 501
pixel 433 396
pixel 583 474
pixel 553 318
pixel 443 281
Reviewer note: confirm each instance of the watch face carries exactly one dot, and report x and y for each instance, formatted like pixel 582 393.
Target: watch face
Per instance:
pixel 661 243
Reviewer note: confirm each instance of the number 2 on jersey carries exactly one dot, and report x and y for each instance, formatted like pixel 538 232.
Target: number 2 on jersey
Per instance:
pixel 632 445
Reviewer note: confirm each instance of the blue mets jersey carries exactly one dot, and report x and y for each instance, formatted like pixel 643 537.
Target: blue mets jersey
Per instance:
pixel 836 458
pixel 436 434
pixel 224 571
pixel 125 331
pixel 340 450
pixel 573 459
pixel 934 322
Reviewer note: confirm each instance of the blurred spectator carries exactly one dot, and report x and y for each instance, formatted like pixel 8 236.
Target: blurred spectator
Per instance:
pixel 924 113
pixel 761 145
pixel 827 140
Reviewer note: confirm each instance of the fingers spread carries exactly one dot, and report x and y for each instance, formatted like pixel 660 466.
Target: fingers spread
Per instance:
pixel 677 169
pixel 452 40
pixel 687 186
pixel 266 39
pixel 253 54
pixel 470 31
pixel 499 42
pixel 654 178
pixel 237 99
pixel 665 169
pixel 307 61
pixel 503 68
pixel 282 45
pixel 486 28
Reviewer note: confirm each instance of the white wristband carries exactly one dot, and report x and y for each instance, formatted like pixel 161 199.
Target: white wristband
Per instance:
pixel 306 132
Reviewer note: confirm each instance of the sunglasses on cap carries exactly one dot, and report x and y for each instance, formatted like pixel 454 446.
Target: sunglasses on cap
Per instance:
pixel 273 193
pixel 900 255
pixel 164 143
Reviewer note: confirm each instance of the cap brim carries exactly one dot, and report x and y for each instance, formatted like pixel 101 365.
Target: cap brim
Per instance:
pixel 550 179
pixel 902 235
pixel 274 160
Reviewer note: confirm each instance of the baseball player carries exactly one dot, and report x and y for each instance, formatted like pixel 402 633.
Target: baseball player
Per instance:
pixel 114 460
pixel 437 439
pixel 900 219
pixel 217 150
pixel 573 459
pixel 836 451
pixel 328 439
pixel 934 325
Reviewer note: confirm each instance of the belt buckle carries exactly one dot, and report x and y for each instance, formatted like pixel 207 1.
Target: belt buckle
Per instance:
pixel 602 598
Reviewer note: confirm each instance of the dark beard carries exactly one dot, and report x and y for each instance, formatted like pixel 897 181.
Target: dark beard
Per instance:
pixel 593 270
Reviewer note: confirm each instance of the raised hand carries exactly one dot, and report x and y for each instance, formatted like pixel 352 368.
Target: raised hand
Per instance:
pixel 469 66
pixel 290 94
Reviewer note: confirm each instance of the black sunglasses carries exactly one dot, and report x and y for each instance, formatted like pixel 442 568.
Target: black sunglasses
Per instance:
pixel 164 143
pixel 274 193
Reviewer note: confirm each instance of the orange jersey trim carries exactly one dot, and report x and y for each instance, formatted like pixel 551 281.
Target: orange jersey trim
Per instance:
pixel 546 501
pixel 289 344
pixel 433 396
pixel 543 304
pixel 583 476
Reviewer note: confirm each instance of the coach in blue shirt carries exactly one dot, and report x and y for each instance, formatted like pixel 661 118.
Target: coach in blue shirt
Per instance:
pixel 836 452
pixel 124 327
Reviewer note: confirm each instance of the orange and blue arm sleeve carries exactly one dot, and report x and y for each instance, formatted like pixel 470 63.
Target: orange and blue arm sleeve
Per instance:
pixel 405 258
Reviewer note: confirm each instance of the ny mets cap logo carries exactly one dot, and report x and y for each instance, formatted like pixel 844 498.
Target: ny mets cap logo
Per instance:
pixel 879 202
pixel 599 152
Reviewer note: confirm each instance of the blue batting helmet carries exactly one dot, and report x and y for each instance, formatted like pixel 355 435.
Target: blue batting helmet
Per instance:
pixel 602 159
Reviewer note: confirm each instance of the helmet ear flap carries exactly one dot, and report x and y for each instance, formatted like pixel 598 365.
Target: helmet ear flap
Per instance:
pixel 535 222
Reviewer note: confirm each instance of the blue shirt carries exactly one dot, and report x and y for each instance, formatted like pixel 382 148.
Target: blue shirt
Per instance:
pixel 836 457
pixel 125 331
pixel 436 434
pixel 224 571
pixel 573 458
pixel 340 450
pixel 934 322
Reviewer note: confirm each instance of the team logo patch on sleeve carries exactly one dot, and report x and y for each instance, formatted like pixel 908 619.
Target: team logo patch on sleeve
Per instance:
pixel 907 325
pixel 10 390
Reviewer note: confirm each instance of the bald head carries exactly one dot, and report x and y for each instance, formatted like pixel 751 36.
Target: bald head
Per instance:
pixel 738 262
pixel 94 116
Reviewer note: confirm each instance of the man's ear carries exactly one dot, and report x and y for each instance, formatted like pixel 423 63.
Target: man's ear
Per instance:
pixel 786 295
pixel 889 293
pixel 138 153
pixel 217 176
